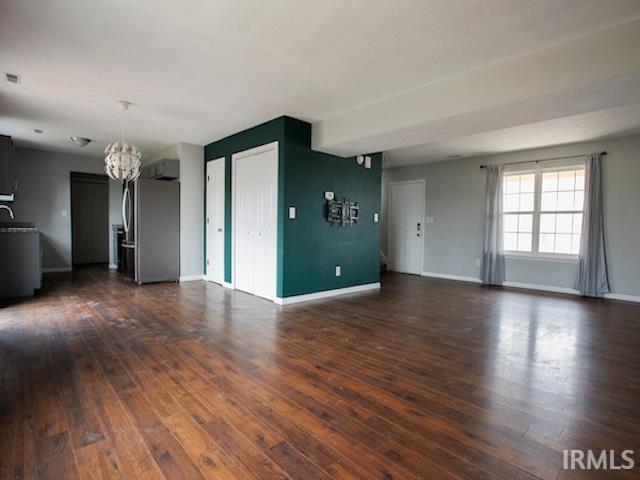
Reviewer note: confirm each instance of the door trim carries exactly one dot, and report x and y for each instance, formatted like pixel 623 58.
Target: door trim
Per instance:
pixel 234 158
pixel 94 178
pixel 207 276
pixel 420 181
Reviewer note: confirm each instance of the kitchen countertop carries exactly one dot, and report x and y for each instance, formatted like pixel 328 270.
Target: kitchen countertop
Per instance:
pixel 18 227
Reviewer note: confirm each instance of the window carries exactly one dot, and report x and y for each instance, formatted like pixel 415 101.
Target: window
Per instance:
pixel 542 211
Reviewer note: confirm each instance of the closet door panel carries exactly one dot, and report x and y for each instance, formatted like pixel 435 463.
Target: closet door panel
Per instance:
pixel 255 214
pixel 267 228
pixel 243 240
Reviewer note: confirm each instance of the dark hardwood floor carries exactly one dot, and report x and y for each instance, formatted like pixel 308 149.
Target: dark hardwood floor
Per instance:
pixel 426 379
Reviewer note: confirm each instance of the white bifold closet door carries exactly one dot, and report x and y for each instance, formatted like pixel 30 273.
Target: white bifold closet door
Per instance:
pixel 255 202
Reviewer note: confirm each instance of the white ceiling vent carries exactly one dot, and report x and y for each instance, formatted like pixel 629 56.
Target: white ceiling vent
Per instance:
pixel 12 77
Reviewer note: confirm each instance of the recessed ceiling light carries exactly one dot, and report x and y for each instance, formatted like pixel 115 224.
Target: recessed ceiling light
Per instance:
pixel 81 141
pixel 12 77
pixel 38 131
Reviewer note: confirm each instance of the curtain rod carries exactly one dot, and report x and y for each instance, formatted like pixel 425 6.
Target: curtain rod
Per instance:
pixel 544 159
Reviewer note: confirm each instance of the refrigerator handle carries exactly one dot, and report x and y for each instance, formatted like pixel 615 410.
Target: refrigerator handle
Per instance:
pixel 125 218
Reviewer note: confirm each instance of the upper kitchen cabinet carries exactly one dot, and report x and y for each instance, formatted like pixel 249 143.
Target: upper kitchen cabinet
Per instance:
pixel 6 168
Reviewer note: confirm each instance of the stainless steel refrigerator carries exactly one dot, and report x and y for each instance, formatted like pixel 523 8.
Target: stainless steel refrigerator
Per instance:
pixel 152 245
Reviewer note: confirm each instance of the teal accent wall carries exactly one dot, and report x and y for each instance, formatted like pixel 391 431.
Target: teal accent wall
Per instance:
pixel 313 247
pixel 309 248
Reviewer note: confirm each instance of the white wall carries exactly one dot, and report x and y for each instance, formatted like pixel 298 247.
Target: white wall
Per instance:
pixel 191 209
pixel 455 199
pixel 44 193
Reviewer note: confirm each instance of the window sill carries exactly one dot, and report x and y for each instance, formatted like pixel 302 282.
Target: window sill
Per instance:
pixel 542 257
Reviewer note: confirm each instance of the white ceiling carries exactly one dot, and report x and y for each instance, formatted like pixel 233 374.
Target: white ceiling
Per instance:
pixel 199 70
pixel 577 128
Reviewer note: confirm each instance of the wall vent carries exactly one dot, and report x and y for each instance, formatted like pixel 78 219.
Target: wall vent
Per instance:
pixel 12 77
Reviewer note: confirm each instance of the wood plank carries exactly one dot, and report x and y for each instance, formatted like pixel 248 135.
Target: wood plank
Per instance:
pixel 55 458
pixel 233 443
pixel 170 456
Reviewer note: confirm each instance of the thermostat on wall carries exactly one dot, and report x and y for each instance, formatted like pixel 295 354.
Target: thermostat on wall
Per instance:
pixel 329 195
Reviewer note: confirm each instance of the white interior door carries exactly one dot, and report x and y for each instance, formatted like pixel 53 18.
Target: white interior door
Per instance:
pixel 255 207
pixel 406 226
pixel 215 220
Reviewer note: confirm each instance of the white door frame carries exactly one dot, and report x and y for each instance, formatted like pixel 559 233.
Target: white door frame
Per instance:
pixel 234 158
pixel 207 266
pixel 422 182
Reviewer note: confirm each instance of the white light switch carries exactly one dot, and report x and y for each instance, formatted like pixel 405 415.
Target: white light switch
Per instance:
pixel 292 213
pixel 429 219
pixel 478 262
pixel 338 270
pixel 64 213
pixel 367 162
pixel 375 217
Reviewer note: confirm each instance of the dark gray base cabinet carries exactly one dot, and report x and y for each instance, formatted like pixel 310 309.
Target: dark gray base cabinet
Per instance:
pixel 20 264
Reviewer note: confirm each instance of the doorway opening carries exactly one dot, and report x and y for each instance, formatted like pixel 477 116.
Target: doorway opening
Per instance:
pixel 90 234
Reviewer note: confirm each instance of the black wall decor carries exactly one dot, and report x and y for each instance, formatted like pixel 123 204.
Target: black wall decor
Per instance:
pixel 344 212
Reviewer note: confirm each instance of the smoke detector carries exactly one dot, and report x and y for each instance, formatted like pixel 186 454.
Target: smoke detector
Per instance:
pixel 12 78
pixel 81 141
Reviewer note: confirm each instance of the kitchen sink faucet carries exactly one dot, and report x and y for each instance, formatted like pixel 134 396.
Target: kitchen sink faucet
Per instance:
pixel 8 208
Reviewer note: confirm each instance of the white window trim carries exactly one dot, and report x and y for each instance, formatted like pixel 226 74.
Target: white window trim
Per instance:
pixel 537 197
pixel 549 257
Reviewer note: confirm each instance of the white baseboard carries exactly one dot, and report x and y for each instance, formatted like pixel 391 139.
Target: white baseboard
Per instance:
pixel 445 276
pixel 542 288
pixel 191 278
pixel 57 269
pixel 623 296
pixel 326 294
pixel 113 267
pixel 228 285
pixel 533 286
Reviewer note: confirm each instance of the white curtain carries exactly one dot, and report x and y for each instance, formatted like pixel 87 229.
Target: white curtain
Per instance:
pixel 591 278
pixel 492 272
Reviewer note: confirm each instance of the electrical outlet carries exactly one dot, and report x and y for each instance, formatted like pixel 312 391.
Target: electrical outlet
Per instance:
pixel 338 270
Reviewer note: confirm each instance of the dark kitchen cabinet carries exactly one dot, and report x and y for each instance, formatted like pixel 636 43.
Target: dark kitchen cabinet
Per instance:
pixel 6 168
